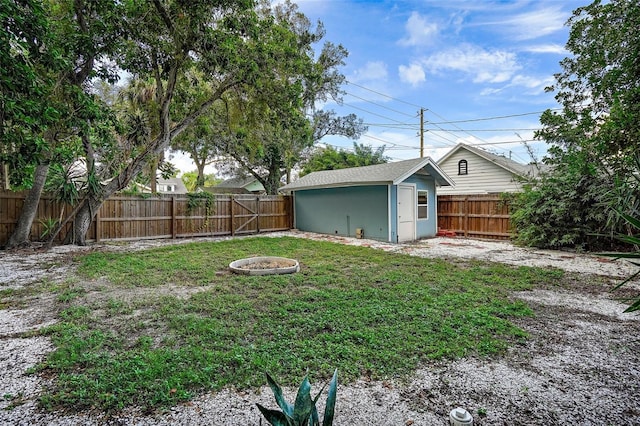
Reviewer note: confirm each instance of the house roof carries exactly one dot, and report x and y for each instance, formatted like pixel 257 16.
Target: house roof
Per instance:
pixel 379 174
pixel 219 190
pixel 522 170
pixel 237 182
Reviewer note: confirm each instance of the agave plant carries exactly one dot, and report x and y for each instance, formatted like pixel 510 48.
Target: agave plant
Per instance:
pixel 303 412
pixel 632 257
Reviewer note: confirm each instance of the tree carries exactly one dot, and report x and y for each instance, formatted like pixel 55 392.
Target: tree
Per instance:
pixel 191 180
pixel 595 138
pixel 226 41
pixel 24 87
pixel 202 140
pixel 71 36
pixel 276 120
pixel 330 158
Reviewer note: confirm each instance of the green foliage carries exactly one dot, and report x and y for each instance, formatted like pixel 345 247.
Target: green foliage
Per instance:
pixel 49 226
pixel 633 257
pixel 28 59
pixel 275 122
pixel 594 138
pixel 197 200
pixel 190 180
pixel 565 208
pixel 62 183
pixel 330 158
pixel 303 412
pixel 200 199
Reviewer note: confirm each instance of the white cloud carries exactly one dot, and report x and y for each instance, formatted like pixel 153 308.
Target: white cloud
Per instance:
pixel 420 32
pixel 412 74
pixel 527 85
pixel 537 23
pixel 557 49
pixel 375 70
pixel 481 65
pixel 456 21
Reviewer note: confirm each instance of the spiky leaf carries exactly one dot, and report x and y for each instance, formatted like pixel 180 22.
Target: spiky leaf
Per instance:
pixel 286 408
pixel 634 307
pixel 329 409
pixel 304 405
pixel 274 417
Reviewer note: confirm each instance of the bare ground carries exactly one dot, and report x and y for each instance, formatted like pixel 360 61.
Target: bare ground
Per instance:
pixel 580 365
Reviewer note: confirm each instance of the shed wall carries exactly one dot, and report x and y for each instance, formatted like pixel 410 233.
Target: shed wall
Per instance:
pixel 340 211
pixel 426 228
pixel 483 176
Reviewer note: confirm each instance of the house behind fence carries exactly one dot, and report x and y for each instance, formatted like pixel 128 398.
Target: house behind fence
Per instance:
pixel 124 218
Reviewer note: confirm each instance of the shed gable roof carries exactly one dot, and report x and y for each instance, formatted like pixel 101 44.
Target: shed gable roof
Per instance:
pixel 386 173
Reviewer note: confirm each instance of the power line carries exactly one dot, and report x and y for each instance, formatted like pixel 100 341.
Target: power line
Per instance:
pixel 436 132
pixel 373 113
pixel 493 118
pixel 380 105
pixel 388 142
pixel 382 94
pixel 484 130
pixel 394 126
pixel 499 117
pixel 473 136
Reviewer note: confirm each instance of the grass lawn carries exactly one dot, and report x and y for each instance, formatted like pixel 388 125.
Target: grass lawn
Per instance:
pixel 168 323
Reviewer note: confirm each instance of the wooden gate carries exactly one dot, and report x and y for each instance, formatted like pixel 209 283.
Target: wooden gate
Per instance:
pixel 245 215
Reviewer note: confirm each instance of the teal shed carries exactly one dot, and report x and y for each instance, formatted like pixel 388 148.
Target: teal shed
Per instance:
pixel 393 202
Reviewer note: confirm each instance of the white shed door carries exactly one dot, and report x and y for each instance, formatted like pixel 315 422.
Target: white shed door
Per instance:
pixel 406 213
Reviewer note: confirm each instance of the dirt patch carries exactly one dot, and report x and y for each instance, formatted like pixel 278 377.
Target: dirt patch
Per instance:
pixel 579 365
pixel 272 264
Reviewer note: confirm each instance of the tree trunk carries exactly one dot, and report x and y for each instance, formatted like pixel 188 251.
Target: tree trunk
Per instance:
pixel 82 221
pixel 20 235
pixel 153 172
pixel 200 179
pixel 272 182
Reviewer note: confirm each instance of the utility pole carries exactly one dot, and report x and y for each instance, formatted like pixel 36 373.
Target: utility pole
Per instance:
pixel 421 132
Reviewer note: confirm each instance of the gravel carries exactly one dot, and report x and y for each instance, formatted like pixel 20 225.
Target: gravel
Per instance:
pixel 580 365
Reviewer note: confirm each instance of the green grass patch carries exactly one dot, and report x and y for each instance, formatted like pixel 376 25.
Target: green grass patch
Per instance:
pixel 363 311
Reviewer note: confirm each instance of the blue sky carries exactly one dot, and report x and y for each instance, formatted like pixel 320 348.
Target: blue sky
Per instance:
pixel 463 61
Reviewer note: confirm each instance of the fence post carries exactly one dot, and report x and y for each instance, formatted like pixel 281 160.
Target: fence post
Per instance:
pixel 98 225
pixel 466 216
pixel 232 227
pixel 173 217
pixel 257 214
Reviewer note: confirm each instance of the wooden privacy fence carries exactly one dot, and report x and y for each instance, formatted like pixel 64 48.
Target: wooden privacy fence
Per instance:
pixel 477 216
pixel 144 217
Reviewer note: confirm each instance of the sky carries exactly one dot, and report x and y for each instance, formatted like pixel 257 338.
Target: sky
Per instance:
pixel 477 69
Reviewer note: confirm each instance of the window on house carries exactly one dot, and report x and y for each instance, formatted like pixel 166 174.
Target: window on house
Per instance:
pixel 462 167
pixel 423 205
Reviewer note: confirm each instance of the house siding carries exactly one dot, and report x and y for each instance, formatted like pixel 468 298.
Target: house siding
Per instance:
pixel 340 211
pixel 483 176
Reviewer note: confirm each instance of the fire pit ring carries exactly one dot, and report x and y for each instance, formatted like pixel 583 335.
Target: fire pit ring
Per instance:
pixel 265 265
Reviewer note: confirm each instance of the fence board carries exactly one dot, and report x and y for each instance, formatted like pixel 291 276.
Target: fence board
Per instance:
pixel 128 218
pixel 477 216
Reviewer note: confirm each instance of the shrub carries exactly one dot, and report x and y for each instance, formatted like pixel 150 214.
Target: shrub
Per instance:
pixel 304 411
